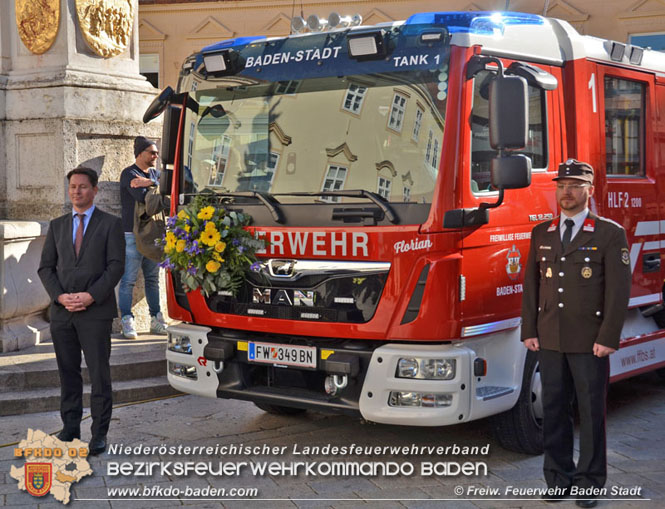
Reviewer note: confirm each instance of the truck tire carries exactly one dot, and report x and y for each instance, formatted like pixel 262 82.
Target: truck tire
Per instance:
pixel 520 429
pixel 279 409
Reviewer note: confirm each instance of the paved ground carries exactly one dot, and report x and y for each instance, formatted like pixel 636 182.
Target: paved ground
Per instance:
pixel 636 457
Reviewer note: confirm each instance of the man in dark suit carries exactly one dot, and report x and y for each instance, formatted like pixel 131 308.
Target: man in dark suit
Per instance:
pixel 82 261
pixel 576 291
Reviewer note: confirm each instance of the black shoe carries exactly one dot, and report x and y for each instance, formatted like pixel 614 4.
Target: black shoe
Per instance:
pixel 67 435
pixel 96 446
pixel 589 502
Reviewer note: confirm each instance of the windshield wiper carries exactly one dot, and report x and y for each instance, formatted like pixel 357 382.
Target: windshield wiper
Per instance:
pixel 377 199
pixel 266 198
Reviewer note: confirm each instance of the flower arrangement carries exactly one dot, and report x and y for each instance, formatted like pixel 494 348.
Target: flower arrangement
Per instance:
pixel 209 247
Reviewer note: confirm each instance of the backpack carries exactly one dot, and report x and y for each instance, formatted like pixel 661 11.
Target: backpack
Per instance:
pixel 150 225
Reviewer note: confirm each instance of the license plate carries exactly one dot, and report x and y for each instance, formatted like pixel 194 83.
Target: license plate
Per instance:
pixel 269 353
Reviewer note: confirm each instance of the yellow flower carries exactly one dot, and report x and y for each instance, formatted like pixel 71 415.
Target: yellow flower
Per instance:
pixel 206 212
pixel 183 215
pixel 220 247
pixel 210 238
pixel 170 242
pixel 212 266
pixel 187 228
pixel 180 246
pixel 210 225
pixel 217 257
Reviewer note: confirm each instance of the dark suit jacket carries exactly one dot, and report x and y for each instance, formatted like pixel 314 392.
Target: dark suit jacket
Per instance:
pixel 98 268
pixel 577 297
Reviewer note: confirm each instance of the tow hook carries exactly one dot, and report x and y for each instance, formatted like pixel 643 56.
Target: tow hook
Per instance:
pixel 334 384
pixel 218 366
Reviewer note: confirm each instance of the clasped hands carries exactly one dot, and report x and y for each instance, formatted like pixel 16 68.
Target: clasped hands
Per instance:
pixel 74 302
pixel 598 350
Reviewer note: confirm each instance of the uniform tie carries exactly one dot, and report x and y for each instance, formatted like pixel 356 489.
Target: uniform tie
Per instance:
pixel 567 233
pixel 79 235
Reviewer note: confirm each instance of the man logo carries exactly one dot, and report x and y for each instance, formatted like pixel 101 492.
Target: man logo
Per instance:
pixel 38 478
pixel 281 268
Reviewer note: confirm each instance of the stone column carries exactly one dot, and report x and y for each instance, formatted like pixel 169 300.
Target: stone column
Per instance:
pixel 67 106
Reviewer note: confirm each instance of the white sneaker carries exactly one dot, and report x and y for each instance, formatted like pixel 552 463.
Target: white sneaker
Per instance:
pixel 158 324
pixel 128 327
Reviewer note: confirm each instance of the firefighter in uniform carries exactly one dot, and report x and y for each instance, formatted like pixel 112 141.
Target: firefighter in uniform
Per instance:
pixel 576 291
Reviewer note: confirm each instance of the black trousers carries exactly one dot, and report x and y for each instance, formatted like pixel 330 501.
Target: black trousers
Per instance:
pixel 93 337
pixel 586 376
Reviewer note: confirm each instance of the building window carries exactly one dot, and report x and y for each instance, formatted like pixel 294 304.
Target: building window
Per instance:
pixel 355 95
pixel 655 41
pixel 273 161
pixel 428 152
pixel 287 87
pixel 220 155
pixel 190 144
pixel 482 152
pixel 334 181
pixel 624 127
pixel 383 188
pixel 149 67
pixel 417 123
pixel 397 113
pixel 407 194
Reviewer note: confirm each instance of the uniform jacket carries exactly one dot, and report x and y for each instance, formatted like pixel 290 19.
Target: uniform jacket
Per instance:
pixel 97 269
pixel 579 297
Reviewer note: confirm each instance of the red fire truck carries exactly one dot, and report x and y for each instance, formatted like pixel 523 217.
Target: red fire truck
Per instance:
pixel 396 172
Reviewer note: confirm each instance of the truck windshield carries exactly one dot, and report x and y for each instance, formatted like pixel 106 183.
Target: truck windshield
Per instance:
pixel 379 132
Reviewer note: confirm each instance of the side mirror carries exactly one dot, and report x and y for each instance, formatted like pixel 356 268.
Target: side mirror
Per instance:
pixel 508 115
pixel 510 172
pixel 158 105
pixel 165 182
pixel 170 133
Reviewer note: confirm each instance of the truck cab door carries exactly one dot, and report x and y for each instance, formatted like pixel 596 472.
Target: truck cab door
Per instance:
pixel 626 176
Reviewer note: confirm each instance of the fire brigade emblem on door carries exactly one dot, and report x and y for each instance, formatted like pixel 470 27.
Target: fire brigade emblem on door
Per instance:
pixel 513 267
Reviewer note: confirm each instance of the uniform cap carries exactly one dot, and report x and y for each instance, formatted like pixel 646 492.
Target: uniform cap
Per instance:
pixel 574 169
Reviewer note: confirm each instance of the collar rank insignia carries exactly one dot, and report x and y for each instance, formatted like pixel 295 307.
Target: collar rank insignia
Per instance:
pixel 553 225
pixel 589 225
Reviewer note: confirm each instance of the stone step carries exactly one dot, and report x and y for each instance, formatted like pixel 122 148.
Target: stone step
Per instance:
pixel 30 381
pixel 44 372
pixel 24 401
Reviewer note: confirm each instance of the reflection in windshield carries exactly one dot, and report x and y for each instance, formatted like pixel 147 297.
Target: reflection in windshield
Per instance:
pixel 381 133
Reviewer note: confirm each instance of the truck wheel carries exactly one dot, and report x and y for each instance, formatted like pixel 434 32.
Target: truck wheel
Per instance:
pixel 279 409
pixel 520 429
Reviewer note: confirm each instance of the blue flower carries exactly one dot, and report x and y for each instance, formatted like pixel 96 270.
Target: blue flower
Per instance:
pixel 255 267
pixel 235 242
pixel 170 221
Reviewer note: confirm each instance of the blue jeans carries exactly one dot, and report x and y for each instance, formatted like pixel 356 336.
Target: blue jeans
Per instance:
pixel 134 260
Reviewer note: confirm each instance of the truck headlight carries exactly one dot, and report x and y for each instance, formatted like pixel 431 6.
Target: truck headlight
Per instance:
pixel 179 343
pixel 426 369
pixel 419 399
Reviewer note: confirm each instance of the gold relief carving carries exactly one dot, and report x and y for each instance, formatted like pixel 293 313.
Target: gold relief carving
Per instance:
pixel 37 22
pixel 106 24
